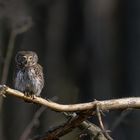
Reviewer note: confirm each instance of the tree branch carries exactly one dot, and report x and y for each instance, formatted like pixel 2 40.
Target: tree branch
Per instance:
pixel 89 128
pixel 85 110
pixel 14 32
pixel 65 128
pixel 33 124
pixel 113 104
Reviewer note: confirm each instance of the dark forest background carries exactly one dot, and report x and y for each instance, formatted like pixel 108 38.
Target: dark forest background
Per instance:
pixel 89 49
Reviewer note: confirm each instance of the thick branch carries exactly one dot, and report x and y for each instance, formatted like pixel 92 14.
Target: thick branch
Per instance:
pixel 68 126
pixel 74 121
pixel 93 130
pixel 89 128
pixel 112 104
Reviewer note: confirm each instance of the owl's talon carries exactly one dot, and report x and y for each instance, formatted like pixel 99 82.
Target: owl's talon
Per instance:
pixel 29 95
pixel 26 94
pixel 33 96
pixel 3 90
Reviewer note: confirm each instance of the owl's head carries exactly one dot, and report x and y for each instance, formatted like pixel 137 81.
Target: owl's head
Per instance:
pixel 26 58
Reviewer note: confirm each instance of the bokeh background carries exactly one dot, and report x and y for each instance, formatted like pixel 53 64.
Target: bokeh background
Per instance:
pixel 89 49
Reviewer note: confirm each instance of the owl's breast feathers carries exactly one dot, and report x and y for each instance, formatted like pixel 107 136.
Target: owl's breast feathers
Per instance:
pixel 29 79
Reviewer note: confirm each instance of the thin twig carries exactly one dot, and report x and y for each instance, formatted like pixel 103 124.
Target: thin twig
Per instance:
pixel 101 124
pixel 121 117
pixel 34 123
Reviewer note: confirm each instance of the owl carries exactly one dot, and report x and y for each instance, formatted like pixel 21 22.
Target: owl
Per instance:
pixel 28 76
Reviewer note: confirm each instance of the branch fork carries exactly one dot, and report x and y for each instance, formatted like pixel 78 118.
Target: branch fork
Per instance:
pixel 85 110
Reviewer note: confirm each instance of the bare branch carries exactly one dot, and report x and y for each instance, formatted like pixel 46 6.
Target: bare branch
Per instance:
pixel 8 57
pixel 121 118
pixel 34 123
pixel 102 125
pixel 67 127
pixel 85 110
pixel 113 104
pixel 91 129
pixel 10 48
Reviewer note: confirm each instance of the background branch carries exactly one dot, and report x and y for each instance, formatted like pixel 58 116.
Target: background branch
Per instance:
pixel 89 128
pixel 10 48
pixel 8 57
pixel 34 123
pixel 67 127
pixel 86 110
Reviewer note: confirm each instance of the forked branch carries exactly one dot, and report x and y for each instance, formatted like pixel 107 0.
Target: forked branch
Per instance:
pixel 85 110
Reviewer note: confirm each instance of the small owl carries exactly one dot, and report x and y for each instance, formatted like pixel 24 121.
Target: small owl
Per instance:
pixel 29 74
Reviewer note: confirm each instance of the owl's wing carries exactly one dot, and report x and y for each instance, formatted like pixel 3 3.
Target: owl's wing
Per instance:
pixel 14 75
pixel 39 73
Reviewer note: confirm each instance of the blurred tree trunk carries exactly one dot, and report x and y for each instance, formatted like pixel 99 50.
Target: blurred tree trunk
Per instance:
pixel 130 27
pixel 101 40
pixel 58 82
pixel 2 45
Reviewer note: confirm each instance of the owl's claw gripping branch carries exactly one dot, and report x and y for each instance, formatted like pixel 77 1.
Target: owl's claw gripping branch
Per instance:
pixel 3 90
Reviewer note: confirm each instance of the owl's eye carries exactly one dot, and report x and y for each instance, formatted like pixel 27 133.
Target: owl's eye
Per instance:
pixel 21 59
pixel 30 58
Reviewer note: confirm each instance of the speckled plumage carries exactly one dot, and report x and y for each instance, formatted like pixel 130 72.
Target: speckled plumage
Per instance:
pixel 29 74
